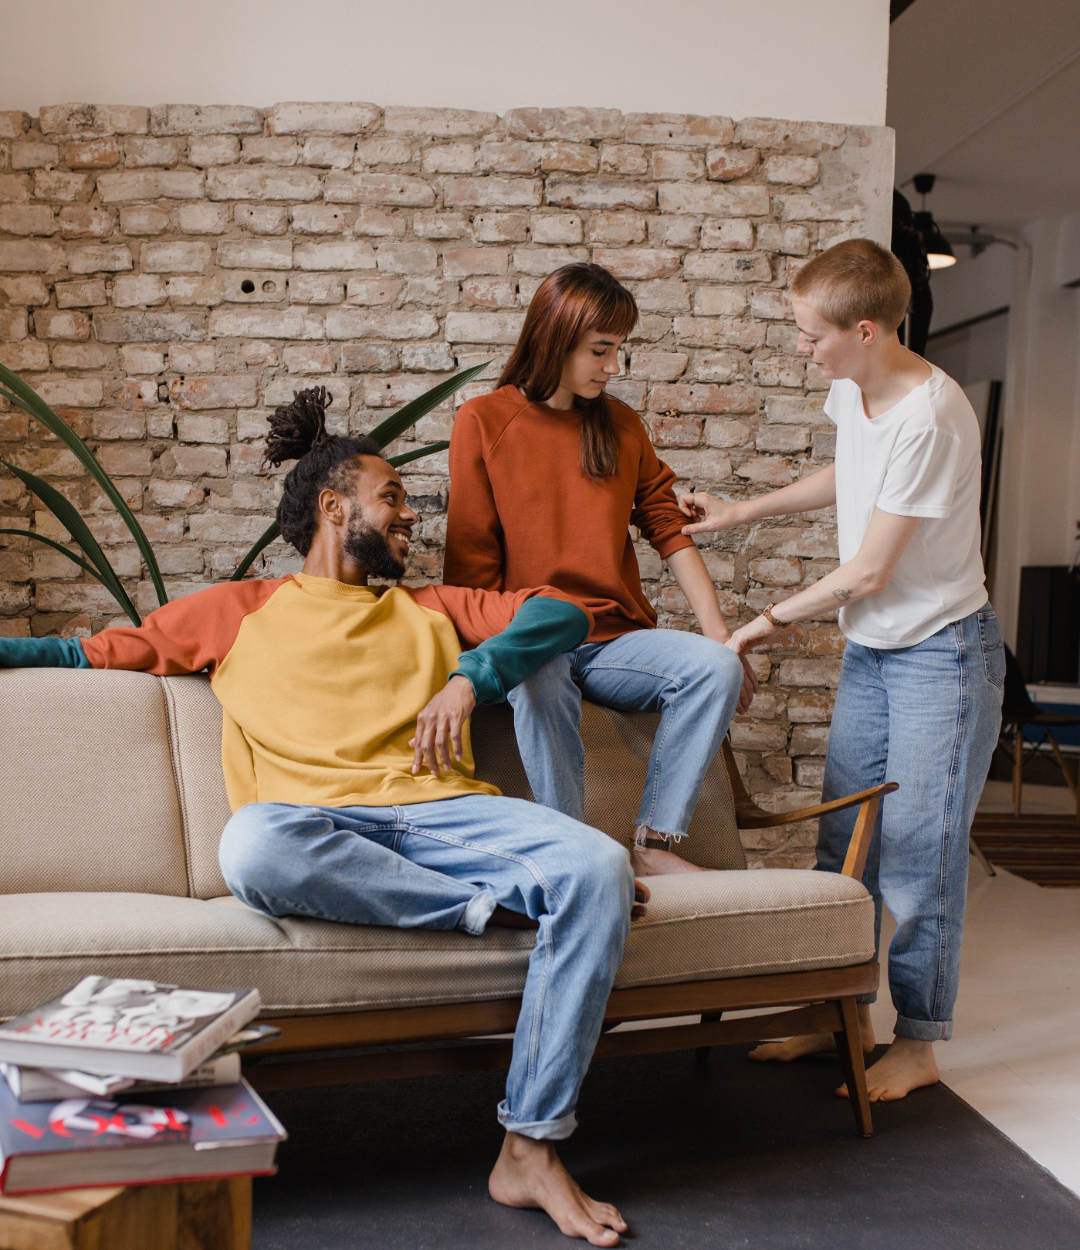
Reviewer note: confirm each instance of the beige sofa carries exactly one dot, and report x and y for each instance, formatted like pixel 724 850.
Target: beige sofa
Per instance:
pixel 111 807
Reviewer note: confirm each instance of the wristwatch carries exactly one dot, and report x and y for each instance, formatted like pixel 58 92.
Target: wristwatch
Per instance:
pixel 767 613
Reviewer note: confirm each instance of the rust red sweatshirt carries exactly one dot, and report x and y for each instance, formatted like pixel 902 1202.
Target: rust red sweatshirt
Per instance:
pixel 522 512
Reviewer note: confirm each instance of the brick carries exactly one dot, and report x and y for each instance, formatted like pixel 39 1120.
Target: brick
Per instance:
pixel 176 257
pixel 288 323
pixel 69 392
pixel 354 323
pixel 24 290
pixel 657 366
pixel 30 256
pixel 84 294
pixel 671 296
pixel 264 150
pixel 810 672
pixel 461 262
pixel 192 357
pixel 33 154
pixel 786 239
pixel 86 120
pixel 409 258
pixel 316 288
pixel 80 221
pixel 142 153
pixel 427 357
pixel 489 292
pixel 616 229
pixel 726 432
pixel 383 151
pixel 206 150
pixel 338 255
pixel 786 439
pixel 599 193
pixel 757 736
pixel 255 254
pixel 99 258
pixel 205 290
pixel 374 223
pixel 717 332
pixel 139 359
pixel 578 125
pixel 626 159
pixel 213 392
pixel 193 219
pixel 451 158
pixel 205 119
pixel 813 206
pixel 729 267
pixel 767 132
pixel 14 188
pixel 798 171
pixel 727 234
pixel 500 227
pixel 725 164
pixel 775 572
pixel 691 197
pixel 544 260
pixel 252 286
pixel 138 290
pixel 13 324
pixel 261 218
pixel 766 471
pixel 675 431
pixel 254 183
pixel 317 219
pixel 148 327
pixel 572 158
pixel 92 154
pixel 771 304
pixel 678 129
pixel 53 324
pixel 394 189
pixel 148 219
pixel 27 219
pixel 60 186
pixel 13 123
pixel 368 357
pixel 556 228
pixel 482 327
pixel 703 398
pixel 295 118
pixel 492 191
pixel 308 358
pixel 440 225
pixel 779 371
pixel 677 166
pixel 638 262
pixel 794 410
pixel 698 466
pixel 322 151
pixel 719 301
pixel 150 184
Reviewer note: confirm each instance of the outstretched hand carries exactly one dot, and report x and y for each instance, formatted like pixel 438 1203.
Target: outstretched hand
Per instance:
pixel 439 727
pixel 749 636
pixel 707 513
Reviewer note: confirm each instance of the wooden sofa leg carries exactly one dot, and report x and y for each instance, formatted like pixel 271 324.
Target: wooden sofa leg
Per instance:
pixel 849 1046
pixel 701 1055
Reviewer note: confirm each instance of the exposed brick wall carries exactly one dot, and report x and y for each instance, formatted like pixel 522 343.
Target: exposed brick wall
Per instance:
pixel 168 275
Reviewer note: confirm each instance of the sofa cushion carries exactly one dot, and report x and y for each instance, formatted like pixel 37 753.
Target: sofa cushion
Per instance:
pixel 699 926
pixel 86 778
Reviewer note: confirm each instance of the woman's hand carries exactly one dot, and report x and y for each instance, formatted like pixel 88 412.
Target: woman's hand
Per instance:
pixel 710 513
pixel 439 726
pixel 746 638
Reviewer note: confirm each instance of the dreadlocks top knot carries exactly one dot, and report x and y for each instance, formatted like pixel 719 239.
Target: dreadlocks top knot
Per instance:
pixel 295 428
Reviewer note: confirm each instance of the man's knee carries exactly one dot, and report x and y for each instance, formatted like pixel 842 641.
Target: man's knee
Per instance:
pixel 551 682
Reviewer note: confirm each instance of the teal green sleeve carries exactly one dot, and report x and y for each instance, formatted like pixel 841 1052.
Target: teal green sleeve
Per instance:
pixel 541 629
pixel 42 653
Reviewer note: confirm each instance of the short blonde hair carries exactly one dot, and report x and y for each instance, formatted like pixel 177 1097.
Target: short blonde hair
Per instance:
pixel 857 280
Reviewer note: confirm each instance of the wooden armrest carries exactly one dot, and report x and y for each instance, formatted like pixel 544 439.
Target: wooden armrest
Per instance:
pixel 749 815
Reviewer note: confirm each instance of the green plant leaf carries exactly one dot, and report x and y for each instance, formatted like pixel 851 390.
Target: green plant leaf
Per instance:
pixel 393 427
pixel 69 518
pixel 417 453
pixel 272 531
pixel 40 538
pixel 17 392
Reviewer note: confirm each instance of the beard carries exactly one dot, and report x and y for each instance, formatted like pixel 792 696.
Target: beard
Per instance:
pixel 371 550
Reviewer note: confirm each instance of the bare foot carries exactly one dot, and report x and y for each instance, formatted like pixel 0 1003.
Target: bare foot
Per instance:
pixel 906 1065
pixel 649 862
pixel 812 1043
pixel 530 1174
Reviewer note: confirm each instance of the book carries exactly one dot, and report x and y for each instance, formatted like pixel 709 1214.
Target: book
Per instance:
pixel 124 1027
pixel 53 1084
pixel 135 1139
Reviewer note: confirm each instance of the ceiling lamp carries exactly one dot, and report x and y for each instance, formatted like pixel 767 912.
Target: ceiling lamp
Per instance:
pixel 939 253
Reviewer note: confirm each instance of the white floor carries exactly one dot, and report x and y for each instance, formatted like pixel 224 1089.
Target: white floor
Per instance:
pixel 1015 1052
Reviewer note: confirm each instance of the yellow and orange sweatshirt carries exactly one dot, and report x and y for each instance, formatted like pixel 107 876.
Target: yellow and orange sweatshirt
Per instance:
pixel 321 682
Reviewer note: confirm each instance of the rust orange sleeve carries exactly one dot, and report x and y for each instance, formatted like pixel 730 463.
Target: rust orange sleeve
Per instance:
pixel 480 614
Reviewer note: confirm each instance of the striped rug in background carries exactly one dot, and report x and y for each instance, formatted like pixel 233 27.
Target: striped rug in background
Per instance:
pixel 1043 849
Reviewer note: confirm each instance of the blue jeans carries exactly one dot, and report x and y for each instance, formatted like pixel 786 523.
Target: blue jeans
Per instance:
pixel 692 681
pixel 927 717
pixel 445 865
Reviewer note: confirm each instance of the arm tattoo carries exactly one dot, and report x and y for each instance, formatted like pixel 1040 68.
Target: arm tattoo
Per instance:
pixel 842 595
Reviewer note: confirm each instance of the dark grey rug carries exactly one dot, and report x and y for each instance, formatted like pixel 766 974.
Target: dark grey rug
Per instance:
pixel 738 1155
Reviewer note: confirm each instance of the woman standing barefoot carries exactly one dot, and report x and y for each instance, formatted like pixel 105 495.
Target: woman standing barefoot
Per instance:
pixel 547 474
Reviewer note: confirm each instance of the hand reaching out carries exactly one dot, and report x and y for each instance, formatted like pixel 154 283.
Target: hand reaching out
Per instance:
pixel 707 513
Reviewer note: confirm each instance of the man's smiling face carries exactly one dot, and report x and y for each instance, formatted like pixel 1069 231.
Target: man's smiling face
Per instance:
pixel 379 532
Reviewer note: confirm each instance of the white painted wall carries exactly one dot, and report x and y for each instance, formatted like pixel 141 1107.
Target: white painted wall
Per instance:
pixel 822 61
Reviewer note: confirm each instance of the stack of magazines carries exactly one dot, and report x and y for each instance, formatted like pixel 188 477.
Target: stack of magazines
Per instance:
pixel 121 1081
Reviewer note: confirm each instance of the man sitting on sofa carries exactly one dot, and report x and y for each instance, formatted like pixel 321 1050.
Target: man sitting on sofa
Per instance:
pixel 348 767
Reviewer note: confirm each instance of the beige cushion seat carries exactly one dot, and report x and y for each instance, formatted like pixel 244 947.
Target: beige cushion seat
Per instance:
pixel 699 926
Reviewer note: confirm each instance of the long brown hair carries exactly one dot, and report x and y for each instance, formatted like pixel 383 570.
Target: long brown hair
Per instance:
pixel 572 300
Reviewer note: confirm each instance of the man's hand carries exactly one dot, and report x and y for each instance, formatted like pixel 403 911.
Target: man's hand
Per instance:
pixel 708 513
pixel 749 685
pixel 439 727
pixel 641 899
pixel 759 630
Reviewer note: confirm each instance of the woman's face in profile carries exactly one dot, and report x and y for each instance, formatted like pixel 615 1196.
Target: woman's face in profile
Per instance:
pixel 590 364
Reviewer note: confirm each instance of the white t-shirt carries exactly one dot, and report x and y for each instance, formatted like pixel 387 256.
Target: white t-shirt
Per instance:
pixel 919 459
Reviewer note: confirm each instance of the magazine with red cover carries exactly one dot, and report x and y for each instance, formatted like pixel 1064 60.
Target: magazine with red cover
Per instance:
pixel 127 1027
pixel 135 1139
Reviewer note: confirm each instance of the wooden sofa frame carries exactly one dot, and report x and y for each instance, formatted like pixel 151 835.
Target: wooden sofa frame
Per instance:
pixel 821 1001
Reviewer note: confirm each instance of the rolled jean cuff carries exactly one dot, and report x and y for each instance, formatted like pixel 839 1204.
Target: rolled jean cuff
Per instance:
pixel 477 913
pixel 538 1130
pixel 923 1030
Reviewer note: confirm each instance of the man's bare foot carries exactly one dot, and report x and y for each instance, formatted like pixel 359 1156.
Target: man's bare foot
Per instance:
pixel 906 1065
pixel 648 861
pixel 530 1174
pixel 812 1043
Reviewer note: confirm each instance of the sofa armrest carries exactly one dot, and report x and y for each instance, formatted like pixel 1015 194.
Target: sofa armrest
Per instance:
pixel 748 815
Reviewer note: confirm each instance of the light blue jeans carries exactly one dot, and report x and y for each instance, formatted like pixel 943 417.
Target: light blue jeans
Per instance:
pixel 927 717
pixel 445 865
pixel 692 681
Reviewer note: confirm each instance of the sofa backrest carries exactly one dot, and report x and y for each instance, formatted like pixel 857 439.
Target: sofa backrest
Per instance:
pixel 113 781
